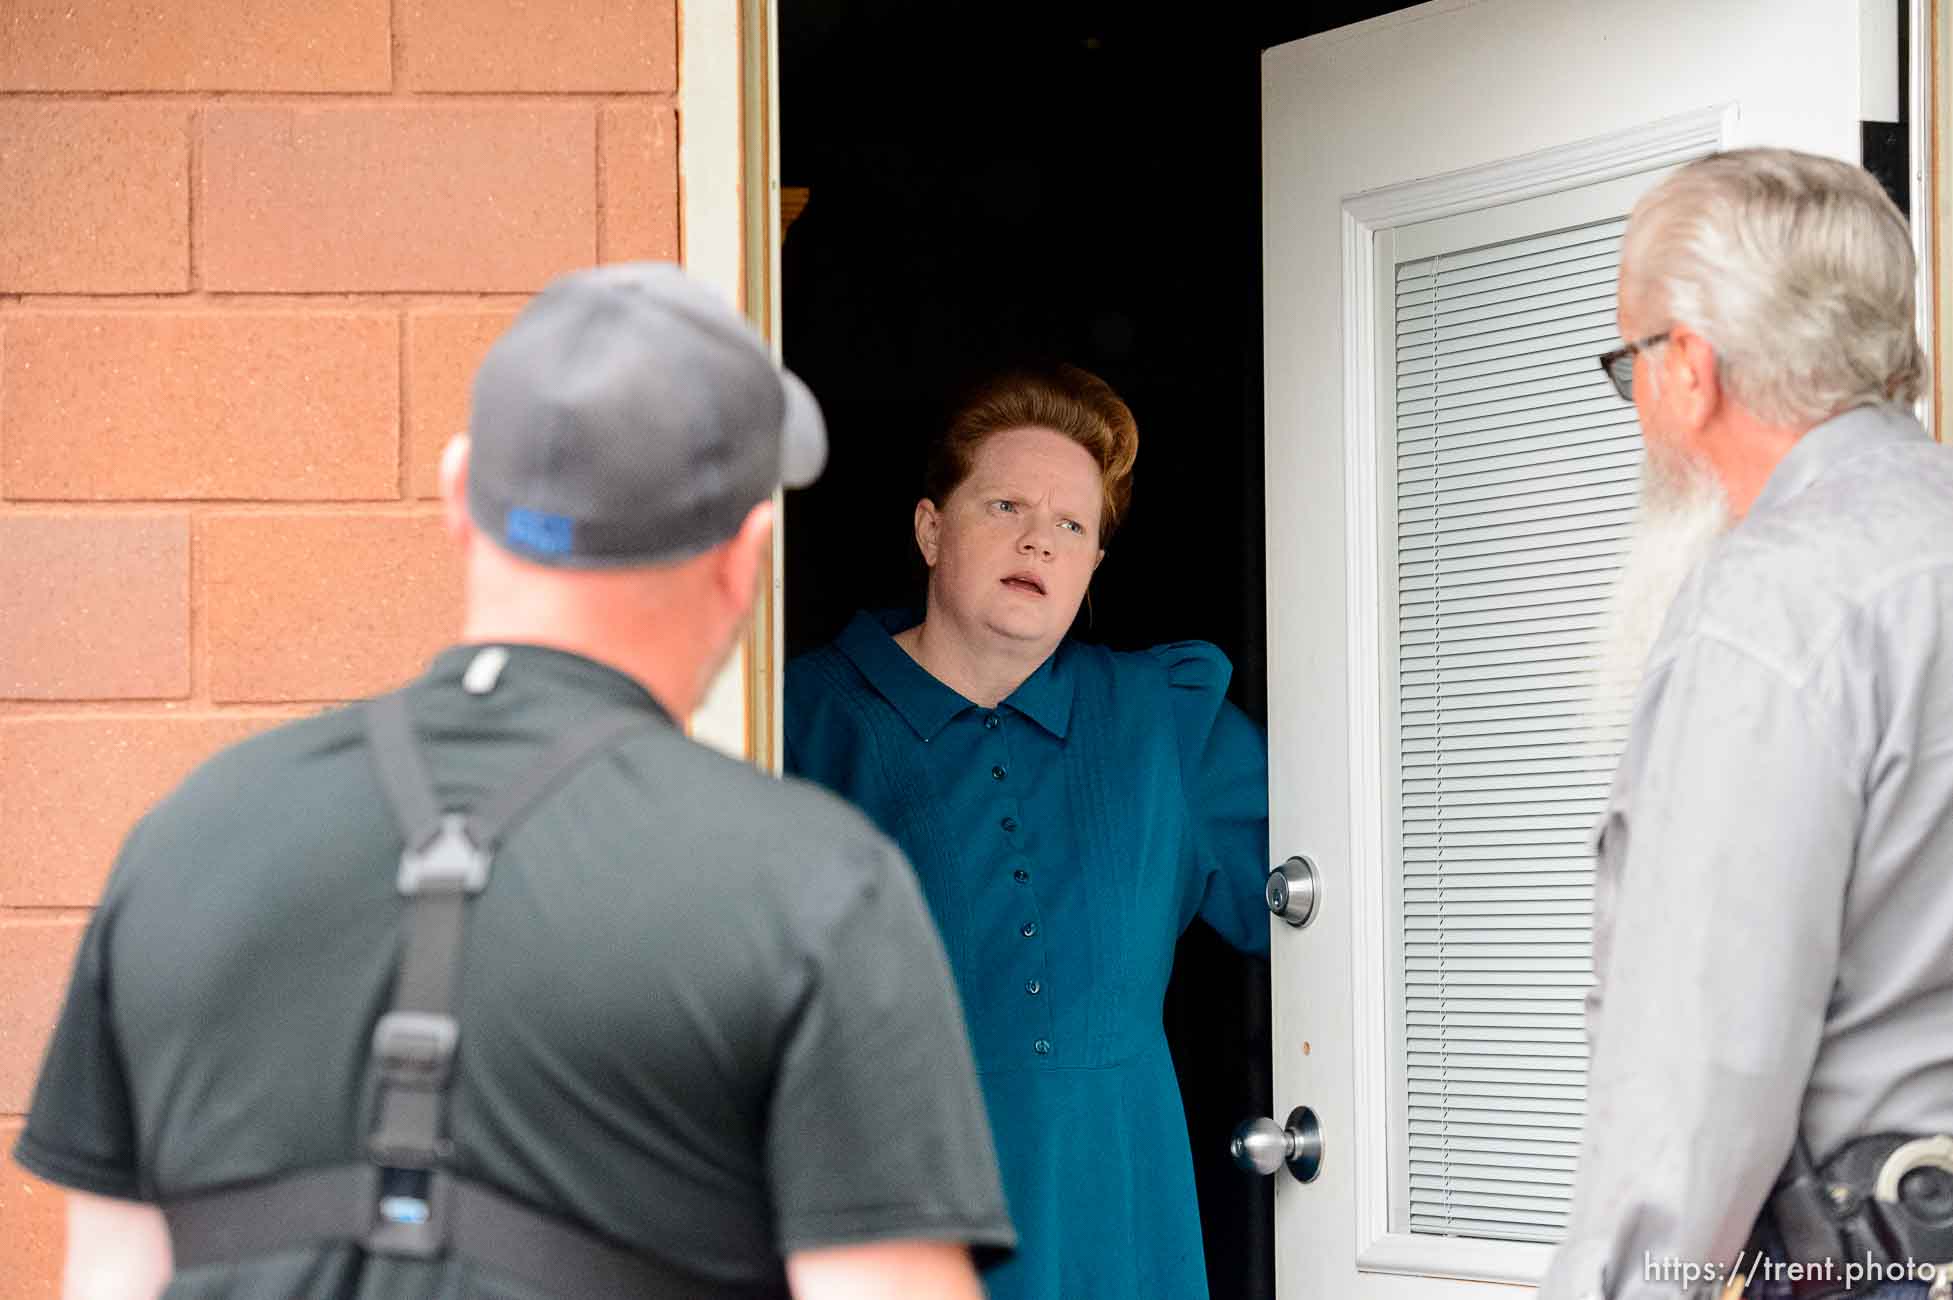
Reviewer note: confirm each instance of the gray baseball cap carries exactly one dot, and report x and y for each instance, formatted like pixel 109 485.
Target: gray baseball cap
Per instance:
pixel 630 417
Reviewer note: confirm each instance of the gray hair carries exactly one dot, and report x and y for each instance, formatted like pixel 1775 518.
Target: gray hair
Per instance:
pixel 1797 269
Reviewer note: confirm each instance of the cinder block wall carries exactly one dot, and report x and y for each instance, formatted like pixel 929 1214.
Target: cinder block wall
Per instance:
pixel 249 256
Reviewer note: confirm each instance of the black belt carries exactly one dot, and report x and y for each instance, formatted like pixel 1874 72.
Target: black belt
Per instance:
pixel 1881 1204
pixel 464 1218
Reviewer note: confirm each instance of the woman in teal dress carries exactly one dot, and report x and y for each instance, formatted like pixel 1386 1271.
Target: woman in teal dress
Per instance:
pixel 1069 810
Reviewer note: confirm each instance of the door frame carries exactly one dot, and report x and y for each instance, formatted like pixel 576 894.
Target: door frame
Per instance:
pixel 1932 141
pixel 1926 181
pixel 1925 24
pixel 729 202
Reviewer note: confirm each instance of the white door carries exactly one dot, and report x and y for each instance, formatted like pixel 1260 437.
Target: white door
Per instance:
pixel 1449 482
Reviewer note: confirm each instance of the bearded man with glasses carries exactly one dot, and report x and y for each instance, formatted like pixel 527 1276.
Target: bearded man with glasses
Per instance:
pixel 1771 1077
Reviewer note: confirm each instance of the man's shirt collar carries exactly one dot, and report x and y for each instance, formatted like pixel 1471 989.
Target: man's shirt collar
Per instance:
pixel 1828 445
pixel 562 668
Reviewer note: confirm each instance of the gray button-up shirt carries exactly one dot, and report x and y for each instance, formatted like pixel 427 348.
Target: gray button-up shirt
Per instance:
pixel 1773 912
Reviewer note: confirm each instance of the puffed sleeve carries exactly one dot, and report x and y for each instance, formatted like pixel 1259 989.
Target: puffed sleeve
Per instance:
pixel 1224 770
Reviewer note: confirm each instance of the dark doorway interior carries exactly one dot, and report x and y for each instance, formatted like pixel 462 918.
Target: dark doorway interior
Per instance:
pixel 993 182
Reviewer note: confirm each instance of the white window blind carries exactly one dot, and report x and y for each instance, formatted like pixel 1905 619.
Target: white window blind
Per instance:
pixel 1516 474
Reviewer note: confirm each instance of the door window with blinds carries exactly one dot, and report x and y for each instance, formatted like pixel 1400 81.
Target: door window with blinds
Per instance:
pixel 1510 471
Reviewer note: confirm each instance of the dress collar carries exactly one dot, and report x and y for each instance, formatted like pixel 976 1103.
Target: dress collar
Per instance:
pixel 1828 445
pixel 924 702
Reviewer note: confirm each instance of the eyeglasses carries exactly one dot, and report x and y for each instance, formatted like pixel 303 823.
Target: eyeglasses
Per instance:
pixel 1619 364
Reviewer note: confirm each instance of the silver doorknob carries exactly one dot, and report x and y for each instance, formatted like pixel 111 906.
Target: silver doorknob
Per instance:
pixel 1262 1146
pixel 1293 890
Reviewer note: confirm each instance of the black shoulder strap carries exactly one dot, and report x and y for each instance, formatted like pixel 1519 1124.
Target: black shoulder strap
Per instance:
pixel 403 775
pixel 445 860
pixel 404 1202
pixel 502 811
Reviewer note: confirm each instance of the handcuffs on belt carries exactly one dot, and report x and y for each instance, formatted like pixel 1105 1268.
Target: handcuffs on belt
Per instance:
pixel 1881 1204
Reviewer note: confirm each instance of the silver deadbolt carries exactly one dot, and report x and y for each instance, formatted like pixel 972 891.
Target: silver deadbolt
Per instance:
pixel 1293 890
pixel 1261 1146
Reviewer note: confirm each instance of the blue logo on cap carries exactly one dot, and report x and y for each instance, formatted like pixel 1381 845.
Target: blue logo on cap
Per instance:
pixel 545 534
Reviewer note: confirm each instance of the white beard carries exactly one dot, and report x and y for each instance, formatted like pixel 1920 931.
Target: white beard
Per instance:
pixel 1683 510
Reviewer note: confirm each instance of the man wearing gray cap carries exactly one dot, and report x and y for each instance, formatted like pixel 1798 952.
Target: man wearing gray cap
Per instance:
pixel 499 985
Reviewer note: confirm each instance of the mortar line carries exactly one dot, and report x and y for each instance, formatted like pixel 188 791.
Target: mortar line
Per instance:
pixel 402 444
pixel 603 184
pixel 191 226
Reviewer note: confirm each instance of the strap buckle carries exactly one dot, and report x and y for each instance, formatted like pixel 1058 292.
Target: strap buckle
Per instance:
pixel 411 1212
pixel 449 863
pixel 415 1049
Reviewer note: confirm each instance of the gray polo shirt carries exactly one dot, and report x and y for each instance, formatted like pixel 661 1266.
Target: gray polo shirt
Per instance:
pixel 703 1013
pixel 1773 914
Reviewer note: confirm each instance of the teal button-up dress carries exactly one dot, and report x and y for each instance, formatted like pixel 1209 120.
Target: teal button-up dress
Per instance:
pixel 1064 840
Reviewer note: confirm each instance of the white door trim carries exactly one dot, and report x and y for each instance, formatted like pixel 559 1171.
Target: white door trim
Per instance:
pixel 1925 200
pixel 712 219
pixel 1620 153
pixel 729 205
pixel 1379 1015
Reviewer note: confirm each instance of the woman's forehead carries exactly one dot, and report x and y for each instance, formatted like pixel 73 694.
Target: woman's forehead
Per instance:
pixel 1037 454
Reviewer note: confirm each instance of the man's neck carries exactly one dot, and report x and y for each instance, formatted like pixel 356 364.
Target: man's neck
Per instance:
pixel 672 657
pixel 983 669
pixel 1744 451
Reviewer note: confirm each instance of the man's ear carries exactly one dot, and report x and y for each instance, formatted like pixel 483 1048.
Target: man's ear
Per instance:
pixel 454 489
pixel 743 557
pixel 928 530
pixel 1690 367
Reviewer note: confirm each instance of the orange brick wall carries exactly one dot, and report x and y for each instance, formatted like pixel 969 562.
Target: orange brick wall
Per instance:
pixel 249 257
